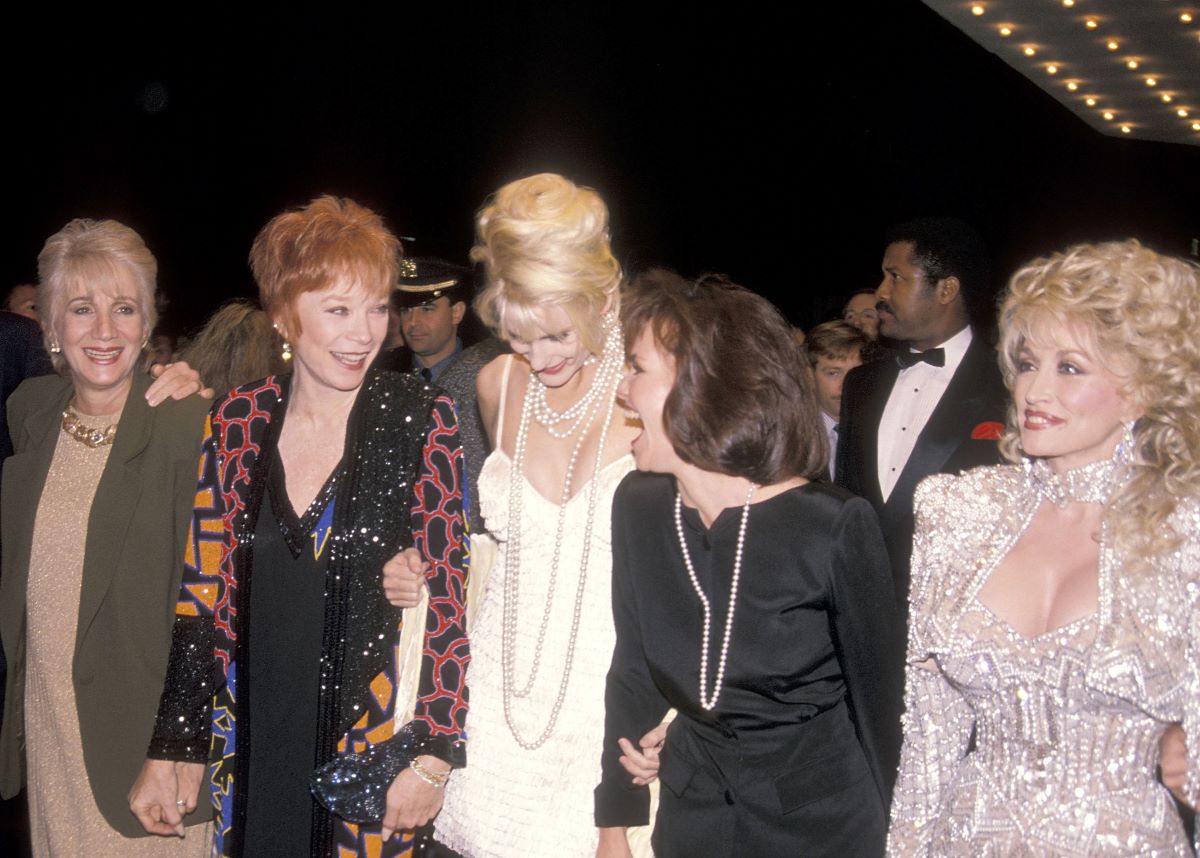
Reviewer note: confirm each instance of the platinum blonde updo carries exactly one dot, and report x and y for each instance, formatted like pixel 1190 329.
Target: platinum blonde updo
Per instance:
pixel 544 242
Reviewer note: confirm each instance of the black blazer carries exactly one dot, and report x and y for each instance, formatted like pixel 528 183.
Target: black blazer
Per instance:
pixel 960 434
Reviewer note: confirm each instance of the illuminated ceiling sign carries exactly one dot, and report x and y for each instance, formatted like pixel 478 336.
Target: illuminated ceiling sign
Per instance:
pixel 1128 69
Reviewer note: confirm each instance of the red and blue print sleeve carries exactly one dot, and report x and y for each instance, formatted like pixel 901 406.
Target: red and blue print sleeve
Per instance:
pixel 439 534
pixel 183 727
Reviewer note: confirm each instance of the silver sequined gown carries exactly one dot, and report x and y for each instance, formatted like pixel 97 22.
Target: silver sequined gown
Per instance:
pixel 1067 724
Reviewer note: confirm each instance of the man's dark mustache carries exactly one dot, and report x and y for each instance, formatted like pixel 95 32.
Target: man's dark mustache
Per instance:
pixel 884 306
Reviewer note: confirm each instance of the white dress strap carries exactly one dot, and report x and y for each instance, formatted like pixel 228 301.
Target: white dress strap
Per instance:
pixel 503 398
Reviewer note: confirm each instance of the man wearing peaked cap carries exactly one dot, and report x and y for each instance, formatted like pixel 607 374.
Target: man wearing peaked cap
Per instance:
pixel 431 297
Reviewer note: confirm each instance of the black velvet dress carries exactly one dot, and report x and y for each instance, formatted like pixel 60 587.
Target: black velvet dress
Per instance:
pixel 799 755
pixel 284 658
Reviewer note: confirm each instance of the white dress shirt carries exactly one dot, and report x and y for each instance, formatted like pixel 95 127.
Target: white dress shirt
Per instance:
pixel 915 395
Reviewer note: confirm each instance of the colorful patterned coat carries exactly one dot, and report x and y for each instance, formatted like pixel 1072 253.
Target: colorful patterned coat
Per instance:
pixel 401 486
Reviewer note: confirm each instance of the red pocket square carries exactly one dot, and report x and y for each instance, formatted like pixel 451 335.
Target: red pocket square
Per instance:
pixel 989 431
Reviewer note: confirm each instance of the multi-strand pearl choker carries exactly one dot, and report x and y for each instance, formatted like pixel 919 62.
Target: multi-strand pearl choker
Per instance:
pixel 579 412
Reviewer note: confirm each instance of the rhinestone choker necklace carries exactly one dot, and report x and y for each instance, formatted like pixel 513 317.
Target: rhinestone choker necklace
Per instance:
pixel 1094 482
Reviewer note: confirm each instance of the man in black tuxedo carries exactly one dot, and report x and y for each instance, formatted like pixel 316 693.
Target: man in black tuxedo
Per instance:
pixel 938 404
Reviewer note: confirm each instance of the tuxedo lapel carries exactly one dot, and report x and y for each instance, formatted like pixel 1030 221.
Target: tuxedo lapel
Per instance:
pixel 883 377
pixel 114 504
pixel 958 411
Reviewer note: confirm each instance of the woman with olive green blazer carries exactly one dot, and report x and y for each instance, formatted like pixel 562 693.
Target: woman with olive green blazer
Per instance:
pixel 132 562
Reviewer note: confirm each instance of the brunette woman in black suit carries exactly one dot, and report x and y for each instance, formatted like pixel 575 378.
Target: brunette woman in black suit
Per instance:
pixel 756 602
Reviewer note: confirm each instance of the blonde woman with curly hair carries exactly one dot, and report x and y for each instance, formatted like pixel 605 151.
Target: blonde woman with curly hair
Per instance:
pixel 543 632
pixel 1056 601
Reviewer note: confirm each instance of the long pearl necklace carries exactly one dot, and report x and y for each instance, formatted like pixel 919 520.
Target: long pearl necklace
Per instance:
pixel 705 700
pixel 603 387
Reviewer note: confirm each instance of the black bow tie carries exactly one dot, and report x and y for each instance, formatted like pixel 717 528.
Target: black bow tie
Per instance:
pixel 933 357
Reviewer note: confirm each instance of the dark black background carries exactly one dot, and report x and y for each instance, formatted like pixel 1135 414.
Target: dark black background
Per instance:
pixel 772 143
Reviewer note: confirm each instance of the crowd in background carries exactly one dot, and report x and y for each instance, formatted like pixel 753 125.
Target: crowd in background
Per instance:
pixel 477 597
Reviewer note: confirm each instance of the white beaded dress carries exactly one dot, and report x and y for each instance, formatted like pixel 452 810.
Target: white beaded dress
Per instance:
pixel 510 801
pixel 1066 724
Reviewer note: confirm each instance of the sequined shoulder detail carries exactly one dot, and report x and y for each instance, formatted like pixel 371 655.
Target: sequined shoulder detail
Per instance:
pixel 957 519
pixel 973 490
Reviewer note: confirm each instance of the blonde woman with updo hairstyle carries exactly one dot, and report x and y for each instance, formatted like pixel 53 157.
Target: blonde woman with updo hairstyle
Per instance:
pixel 1056 600
pixel 543 632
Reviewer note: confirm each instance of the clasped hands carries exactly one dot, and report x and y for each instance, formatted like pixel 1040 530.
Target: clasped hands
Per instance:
pixel 165 792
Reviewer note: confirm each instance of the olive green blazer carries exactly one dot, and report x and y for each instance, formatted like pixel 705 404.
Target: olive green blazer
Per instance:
pixel 131 572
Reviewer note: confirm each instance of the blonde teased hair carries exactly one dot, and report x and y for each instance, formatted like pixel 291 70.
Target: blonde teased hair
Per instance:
pixel 93 254
pixel 1142 312
pixel 544 242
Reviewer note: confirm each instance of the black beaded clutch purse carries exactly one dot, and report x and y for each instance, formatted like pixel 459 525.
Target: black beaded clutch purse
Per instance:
pixel 354 786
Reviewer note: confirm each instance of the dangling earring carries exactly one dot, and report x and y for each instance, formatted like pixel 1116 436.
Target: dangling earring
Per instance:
pixel 1123 455
pixel 286 351
pixel 55 349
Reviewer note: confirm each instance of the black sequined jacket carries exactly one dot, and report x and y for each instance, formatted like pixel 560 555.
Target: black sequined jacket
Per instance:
pixel 401 486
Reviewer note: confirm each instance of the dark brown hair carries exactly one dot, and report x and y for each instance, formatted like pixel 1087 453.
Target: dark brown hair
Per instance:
pixel 742 403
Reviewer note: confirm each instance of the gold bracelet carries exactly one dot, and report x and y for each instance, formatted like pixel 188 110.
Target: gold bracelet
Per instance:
pixel 434 779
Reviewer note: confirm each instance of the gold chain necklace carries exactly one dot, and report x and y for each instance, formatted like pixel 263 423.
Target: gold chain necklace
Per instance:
pixel 85 434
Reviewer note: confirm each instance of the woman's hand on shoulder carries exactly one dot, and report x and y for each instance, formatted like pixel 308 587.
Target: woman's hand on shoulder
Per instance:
pixel 404 578
pixel 411 800
pixel 175 381
pixel 613 844
pixel 164 793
